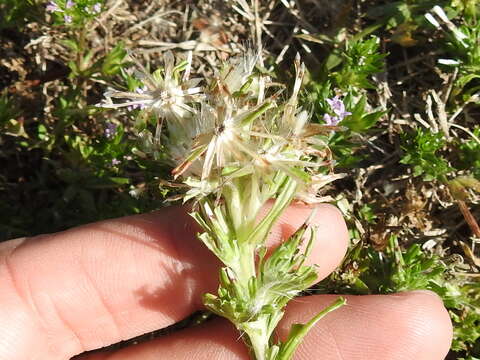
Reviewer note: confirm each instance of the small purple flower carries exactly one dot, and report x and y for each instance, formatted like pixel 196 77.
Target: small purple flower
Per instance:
pixel 115 162
pixel 110 130
pixel 69 4
pixel 138 90
pixel 53 7
pixel 338 108
pixel 141 90
pixel 97 8
pixel 331 120
pixel 68 19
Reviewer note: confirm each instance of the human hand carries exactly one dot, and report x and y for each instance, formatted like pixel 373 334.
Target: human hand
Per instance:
pixel 95 285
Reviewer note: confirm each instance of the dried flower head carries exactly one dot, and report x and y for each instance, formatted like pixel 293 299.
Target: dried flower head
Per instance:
pixel 164 92
pixel 234 128
pixel 234 135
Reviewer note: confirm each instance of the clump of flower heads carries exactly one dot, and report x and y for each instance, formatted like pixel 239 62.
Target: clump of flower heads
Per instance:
pixel 237 142
pixel 74 12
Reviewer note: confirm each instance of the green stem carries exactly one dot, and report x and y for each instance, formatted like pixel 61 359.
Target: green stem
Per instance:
pixel 237 226
pixel 247 263
pixel 245 269
pixel 257 330
pixel 82 41
pixel 259 345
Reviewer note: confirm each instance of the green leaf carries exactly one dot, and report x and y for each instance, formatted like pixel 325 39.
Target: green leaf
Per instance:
pixel 179 68
pixel 333 60
pixel 106 183
pixel 256 113
pixel 112 63
pixel 72 44
pixel 85 61
pixel 421 152
pixel 287 193
pixel 365 32
pixel 465 79
pixel 243 90
pixel 299 331
pixel 364 122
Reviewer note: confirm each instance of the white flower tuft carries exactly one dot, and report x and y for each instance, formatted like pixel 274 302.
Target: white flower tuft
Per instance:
pixel 231 131
pixel 162 92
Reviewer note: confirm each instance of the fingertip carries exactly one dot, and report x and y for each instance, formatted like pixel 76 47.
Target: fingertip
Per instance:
pixel 396 327
pixel 428 323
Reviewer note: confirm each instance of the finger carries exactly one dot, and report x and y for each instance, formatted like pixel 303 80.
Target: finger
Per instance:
pixel 404 326
pixel 410 325
pixel 95 285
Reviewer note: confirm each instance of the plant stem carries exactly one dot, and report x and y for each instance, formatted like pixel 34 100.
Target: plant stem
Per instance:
pixel 259 345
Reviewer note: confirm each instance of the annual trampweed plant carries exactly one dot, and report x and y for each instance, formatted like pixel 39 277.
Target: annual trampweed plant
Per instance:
pixel 406 70
pixel 236 142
